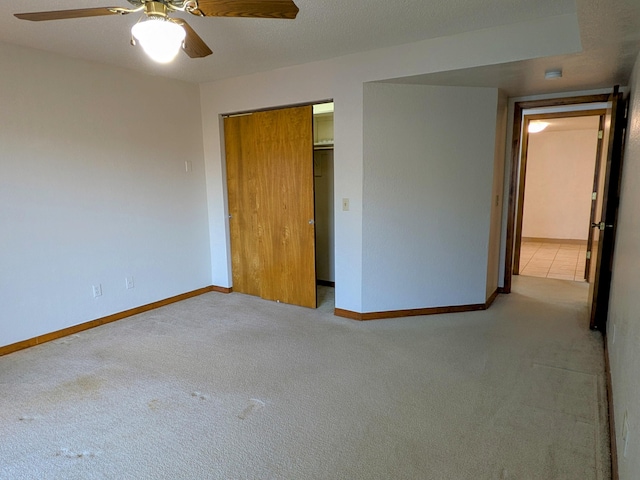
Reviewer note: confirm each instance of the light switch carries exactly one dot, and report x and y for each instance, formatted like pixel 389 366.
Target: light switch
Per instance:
pixel 345 204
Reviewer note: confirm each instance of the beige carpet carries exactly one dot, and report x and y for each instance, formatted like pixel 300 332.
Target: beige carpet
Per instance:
pixel 234 387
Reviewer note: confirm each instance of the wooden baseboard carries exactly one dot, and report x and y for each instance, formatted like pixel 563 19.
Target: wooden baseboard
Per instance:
pixel 47 337
pixel 215 288
pixel 504 290
pixel 570 241
pixel 339 312
pixel 326 283
pixel 612 422
pixel 491 299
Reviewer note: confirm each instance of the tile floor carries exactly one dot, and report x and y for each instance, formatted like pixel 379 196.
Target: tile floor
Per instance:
pixel 564 261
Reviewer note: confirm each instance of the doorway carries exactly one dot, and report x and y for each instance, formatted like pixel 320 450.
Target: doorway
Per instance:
pixel 272 177
pixel 605 199
pixel 559 161
pixel 323 173
pixel 518 165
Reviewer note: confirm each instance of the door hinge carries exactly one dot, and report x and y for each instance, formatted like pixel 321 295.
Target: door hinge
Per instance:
pixel 600 134
pixel 589 255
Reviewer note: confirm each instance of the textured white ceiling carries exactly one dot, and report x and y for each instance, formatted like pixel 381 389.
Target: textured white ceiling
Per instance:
pixel 610 35
pixel 329 28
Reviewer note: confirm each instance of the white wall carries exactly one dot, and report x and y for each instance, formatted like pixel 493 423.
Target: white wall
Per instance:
pixel 560 169
pixel 428 167
pixel 93 188
pixel 623 330
pixel 342 80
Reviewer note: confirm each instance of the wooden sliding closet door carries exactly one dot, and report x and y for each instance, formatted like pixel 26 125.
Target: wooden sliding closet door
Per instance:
pixel 243 173
pixel 271 203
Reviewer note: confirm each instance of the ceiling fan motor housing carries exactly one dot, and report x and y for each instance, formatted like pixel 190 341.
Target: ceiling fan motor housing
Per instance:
pixel 155 9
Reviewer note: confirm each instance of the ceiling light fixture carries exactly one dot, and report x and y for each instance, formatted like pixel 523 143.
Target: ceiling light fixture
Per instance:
pixel 536 126
pixel 160 38
pixel 551 74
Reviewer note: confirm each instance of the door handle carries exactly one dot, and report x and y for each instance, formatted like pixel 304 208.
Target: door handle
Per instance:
pixel 601 225
pixel 312 222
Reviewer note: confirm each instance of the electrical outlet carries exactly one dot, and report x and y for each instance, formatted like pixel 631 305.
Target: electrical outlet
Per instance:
pixel 128 283
pixel 625 435
pixel 97 290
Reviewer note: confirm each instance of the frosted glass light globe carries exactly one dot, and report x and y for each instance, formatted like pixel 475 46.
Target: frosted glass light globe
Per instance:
pixel 160 39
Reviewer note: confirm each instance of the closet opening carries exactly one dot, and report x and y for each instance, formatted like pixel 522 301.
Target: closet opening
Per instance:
pixel 324 201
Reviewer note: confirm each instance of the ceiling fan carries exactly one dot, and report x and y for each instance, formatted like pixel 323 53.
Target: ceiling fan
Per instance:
pixel 162 36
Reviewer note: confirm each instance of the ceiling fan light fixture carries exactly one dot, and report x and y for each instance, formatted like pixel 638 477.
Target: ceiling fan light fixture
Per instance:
pixel 160 38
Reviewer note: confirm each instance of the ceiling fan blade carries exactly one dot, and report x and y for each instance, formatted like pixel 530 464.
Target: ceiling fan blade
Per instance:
pixel 248 8
pixel 193 45
pixel 76 13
